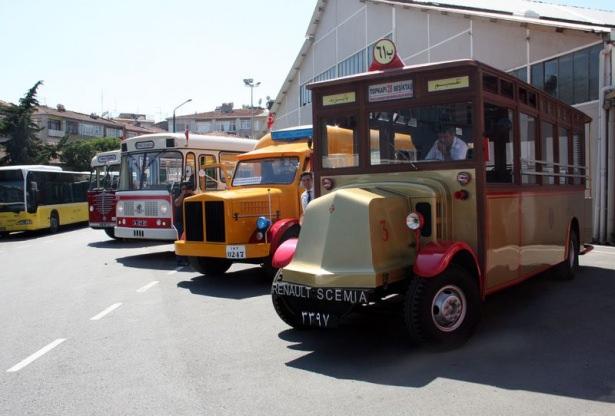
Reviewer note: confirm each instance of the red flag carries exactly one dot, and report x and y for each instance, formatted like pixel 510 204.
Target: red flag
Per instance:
pixel 187 133
pixel 270 120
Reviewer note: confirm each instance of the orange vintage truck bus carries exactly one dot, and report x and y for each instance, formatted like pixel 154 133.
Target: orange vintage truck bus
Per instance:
pixel 260 209
pixel 493 192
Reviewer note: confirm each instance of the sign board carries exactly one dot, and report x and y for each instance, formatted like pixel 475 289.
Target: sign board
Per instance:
pixel 448 84
pixel 106 158
pixel 390 91
pixel 335 99
pixel 145 145
pixel 384 51
pixel 292 134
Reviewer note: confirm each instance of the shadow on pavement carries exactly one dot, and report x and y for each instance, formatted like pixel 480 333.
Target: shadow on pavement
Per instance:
pixel 542 336
pixel 163 260
pixel 32 235
pixel 241 284
pixel 108 242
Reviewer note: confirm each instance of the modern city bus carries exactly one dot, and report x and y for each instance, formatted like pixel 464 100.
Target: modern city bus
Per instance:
pixel 495 192
pixel 34 197
pixel 262 207
pixel 154 166
pixel 104 180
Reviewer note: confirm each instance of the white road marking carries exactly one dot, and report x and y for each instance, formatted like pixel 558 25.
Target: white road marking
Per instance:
pixel 25 246
pixel 147 286
pixel 106 311
pixel 176 270
pixel 36 355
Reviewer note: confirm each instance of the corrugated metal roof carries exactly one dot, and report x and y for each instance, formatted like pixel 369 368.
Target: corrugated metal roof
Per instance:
pixel 530 9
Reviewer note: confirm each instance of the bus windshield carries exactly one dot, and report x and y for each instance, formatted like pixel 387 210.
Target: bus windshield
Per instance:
pixel 151 170
pixel 11 190
pixel 270 171
pixel 105 177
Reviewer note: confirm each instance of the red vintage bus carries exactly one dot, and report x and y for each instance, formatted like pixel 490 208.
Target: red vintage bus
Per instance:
pixel 104 179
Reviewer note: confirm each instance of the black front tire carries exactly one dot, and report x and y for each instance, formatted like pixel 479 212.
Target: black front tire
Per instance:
pixel 570 266
pixel 54 222
pixel 442 310
pixel 111 233
pixel 209 266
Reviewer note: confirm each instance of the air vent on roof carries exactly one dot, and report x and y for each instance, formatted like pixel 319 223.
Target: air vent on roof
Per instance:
pixel 61 107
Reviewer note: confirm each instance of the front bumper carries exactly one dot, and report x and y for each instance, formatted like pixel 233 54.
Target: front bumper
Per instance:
pixel 102 225
pixel 168 234
pixel 199 249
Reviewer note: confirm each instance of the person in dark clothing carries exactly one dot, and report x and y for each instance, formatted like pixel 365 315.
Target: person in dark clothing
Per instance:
pixel 186 190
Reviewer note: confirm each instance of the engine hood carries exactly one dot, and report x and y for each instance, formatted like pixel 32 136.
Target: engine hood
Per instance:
pixel 357 237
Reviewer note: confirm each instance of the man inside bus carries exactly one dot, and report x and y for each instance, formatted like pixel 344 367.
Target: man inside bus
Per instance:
pixel 448 146
pixel 307 182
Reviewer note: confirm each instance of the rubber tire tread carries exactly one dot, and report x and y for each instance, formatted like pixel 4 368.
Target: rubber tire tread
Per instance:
pixel 417 318
pixel 209 266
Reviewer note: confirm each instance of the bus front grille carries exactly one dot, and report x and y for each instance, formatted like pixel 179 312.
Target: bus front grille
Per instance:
pixel 103 203
pixel 214 221
pixel 151 208
pixel 193 221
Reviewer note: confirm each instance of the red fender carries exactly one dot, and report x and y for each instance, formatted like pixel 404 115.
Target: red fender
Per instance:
pixel 277 230
pixel 284 254
pixel 434 258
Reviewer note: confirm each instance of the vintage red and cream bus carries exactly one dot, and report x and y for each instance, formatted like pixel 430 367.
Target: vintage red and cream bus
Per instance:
pixel 493 192
pixel 104 180
pixel 154 166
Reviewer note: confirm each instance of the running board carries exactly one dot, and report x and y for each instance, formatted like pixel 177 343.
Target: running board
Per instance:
pixel 586 249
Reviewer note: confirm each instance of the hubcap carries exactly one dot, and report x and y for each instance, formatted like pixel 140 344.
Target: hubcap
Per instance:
pixel 448 309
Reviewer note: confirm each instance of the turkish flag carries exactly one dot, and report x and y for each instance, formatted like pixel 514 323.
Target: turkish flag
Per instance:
pixel 270 120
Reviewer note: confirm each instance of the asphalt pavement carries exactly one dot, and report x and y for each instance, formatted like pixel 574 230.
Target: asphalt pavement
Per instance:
pixel 94 326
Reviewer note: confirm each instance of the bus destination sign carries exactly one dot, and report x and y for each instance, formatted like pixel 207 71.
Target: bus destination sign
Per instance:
pixel 391 91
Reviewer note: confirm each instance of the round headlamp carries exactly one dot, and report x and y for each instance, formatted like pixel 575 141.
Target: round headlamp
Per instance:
pixel 262 223
pixel 415 221
pixel 164 208
pixel 120 209
pixel 91 208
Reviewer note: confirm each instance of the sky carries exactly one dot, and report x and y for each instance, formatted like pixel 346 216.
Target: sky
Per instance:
pixel 138 56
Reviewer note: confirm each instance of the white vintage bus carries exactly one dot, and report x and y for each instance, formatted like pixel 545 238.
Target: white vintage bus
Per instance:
pixel 154 166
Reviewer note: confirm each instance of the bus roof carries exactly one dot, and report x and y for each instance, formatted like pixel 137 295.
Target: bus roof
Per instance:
pixel 429 68
pixel 111 157
pixel 44 168
pixel 195 140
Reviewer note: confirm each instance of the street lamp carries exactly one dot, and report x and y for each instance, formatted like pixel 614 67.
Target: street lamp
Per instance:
pixel 249 82
pixel 187 101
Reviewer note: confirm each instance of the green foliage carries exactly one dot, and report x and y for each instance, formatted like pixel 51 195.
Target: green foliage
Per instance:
pixel 77 154
pixel 23 146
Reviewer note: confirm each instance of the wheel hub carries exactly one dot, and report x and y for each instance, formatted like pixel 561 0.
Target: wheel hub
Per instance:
pixel 448 308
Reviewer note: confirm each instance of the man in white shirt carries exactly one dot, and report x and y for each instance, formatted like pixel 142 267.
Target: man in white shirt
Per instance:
pixel 307 182
pixel 448 146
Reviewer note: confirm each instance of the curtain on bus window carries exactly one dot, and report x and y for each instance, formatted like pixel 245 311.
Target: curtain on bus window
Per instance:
pixel 527 133
pixel 499 131
pixel 546 153
pixel 563 156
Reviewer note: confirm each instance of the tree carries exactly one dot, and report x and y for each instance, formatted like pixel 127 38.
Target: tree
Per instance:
pixel 23 145
pixel 77 154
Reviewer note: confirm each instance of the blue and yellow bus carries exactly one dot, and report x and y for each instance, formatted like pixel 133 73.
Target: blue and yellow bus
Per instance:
pixel 34 197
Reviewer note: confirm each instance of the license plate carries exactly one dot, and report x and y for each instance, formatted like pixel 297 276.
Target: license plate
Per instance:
pixel 140 223
pixel 235 252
